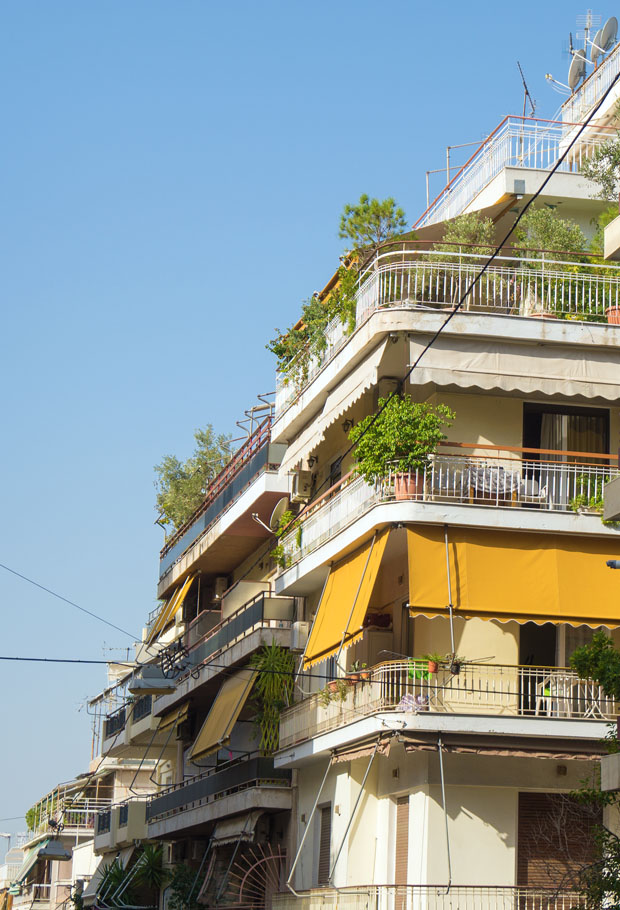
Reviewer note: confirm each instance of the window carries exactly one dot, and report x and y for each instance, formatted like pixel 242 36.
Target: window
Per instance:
pixel 547 426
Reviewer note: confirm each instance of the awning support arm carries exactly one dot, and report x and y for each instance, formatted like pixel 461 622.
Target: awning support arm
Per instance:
pixel 450 606
pixel 308 826
pixel 352 816
pixel 357 594
pixel 445 812
pixel 301 661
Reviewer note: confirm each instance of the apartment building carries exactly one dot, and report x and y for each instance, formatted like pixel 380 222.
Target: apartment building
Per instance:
pixel 447 785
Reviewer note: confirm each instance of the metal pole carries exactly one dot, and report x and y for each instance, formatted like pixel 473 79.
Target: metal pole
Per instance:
pixel 303 840
pixel 359 588
pixel 450 607
pixel 445 813
pixel 351 817
pixel 447 164
pixel 301 660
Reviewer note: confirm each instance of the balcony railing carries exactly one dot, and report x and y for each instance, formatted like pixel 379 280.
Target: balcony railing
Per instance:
pixel 104 820
pixel 115 723
pixel 429 897
pixel 249 461
pixel 542 285
pixel 35 894
pixel 216 783
pixel 142 708
pixel 559 485
pixel 519 142
pixel 262 612
pixel 585 97
pixel 73 813
pixel 491 689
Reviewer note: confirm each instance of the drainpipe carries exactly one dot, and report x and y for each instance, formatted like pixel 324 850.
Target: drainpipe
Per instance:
pixel 308 826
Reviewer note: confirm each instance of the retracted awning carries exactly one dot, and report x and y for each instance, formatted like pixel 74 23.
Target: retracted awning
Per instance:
pixel 239 828
pixel 174 717
pixel 341 611
pixel 170 609
pixel 529 368
pixel 216 730
pixel 362 377
pixel 508 575
pixel 30 859
pixel 91 892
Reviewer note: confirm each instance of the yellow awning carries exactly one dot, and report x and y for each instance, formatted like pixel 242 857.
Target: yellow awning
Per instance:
pixel 508 575
pixel 222 717
pixel 174 717
pixel 170 608
pixel 337 614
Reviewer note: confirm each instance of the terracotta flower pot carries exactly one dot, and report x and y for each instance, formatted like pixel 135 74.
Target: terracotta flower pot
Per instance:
pixel 613 315
pixel 544 316
pixel 332 685
pixel 365 675
pixel 433 666
pixel 408 486
pixel 353 678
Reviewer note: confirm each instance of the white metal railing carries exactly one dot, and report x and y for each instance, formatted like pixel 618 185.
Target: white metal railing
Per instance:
pixel 429 897
pixel 34 894
pixel 429 279
pixel 519 142
pixel 558 486
pixel 80 813
pixel 585 97
pixel 408 686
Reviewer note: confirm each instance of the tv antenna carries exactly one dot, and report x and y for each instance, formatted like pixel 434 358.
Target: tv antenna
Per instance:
pixel 526 93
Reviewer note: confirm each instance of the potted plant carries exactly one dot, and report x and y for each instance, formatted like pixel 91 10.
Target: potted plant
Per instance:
pixel 335 690
pixel 357 672
pixel 433 659
pixel 399 441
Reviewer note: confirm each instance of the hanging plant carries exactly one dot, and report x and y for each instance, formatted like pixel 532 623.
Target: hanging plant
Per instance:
pixel 273 691
pixel 287 523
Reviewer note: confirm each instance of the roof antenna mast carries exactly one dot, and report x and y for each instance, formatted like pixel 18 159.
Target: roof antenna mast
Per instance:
pixel 526 93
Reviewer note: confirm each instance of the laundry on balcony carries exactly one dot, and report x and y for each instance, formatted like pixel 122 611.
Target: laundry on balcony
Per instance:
pixel 339 620
pixel 512 576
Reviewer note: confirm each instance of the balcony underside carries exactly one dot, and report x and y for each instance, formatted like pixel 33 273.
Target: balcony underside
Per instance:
pixel 232 537
pixel 192 819
pixel 510 735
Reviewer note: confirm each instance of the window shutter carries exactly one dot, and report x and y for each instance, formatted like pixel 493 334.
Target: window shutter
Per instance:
pixel 325 844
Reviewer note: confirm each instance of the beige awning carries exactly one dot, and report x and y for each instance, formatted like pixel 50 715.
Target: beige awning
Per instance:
pixel 362 750
pixel 232 830
pixel 528 368
pixel 229 702
pixel 174 717
pixel 364 376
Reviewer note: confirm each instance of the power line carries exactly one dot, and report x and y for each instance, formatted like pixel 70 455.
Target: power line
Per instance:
pixel 67 601
pixel 71 660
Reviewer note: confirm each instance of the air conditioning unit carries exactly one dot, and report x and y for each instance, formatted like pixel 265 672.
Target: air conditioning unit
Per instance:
pixel 220 586
pixel 301 486
pixel 299 635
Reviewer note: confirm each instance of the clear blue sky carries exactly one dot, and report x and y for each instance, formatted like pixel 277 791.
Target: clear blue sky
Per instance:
pixel 172 175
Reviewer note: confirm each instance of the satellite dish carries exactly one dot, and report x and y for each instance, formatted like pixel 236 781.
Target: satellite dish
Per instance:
pixel 597 46
pixel 609 33
pixel 278 512
pixel 576 70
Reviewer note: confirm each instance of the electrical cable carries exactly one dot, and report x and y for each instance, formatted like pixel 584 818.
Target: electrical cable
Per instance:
pixel 67 601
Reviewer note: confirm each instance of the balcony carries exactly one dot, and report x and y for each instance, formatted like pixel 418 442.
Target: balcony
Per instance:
pixel 234 787
pixel 120 825
pixel 429 897
pixel 77 814
pixel 487 689
pixel 43 896
pixel 237 636
pixel 489 481
pixel 423 280
pixel 247 484
pixel 583 99
pixel 523 144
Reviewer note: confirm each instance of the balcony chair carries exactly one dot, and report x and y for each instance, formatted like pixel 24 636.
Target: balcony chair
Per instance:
pixel 529 490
